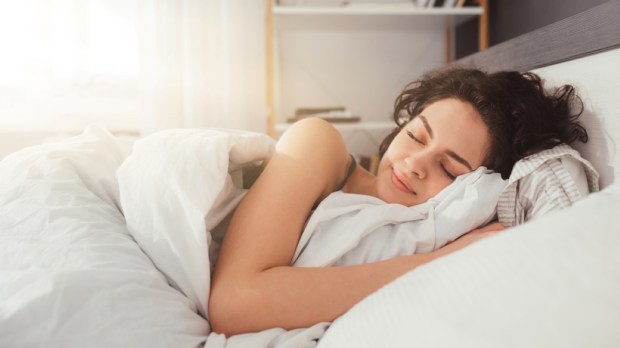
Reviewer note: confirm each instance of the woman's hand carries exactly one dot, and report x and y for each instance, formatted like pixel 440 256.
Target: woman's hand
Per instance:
pixel 469 238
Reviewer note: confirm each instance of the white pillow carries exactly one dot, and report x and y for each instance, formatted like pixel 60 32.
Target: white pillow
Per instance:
pixel 551 282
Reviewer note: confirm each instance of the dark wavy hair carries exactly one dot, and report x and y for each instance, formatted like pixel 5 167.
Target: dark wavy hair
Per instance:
pixel 522 117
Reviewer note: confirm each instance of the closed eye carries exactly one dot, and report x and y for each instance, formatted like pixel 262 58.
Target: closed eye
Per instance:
pixel 443 168
pixel 410 134
pixel 447 172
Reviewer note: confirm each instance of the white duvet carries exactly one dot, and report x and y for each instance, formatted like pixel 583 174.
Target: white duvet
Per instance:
pixel 108 245
pixel 71 274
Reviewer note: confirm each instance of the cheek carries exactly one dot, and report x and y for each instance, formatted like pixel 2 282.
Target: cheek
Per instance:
pixel 389 157
pixel 384 169
pixel 395 153
pixel 397 148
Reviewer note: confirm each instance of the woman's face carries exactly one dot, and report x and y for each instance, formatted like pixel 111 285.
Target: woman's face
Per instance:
pixel 446 140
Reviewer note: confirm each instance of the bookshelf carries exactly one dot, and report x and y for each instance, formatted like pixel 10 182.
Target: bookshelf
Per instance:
pixel 437 18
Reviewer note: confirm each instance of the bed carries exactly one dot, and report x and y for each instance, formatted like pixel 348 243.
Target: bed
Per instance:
pixel 552 282
pixel 95 248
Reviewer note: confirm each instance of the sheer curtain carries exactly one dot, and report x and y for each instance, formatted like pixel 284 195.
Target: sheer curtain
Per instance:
pixel 132 64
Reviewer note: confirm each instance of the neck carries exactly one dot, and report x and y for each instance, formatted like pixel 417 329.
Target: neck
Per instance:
pixel 361 182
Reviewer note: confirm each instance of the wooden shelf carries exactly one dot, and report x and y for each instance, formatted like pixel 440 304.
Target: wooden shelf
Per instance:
pixel 377 10
pixel 458 14
pixel 362 125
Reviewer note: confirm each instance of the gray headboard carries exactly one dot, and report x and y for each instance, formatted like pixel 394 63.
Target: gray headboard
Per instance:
pixel 584 51
pixel 583 34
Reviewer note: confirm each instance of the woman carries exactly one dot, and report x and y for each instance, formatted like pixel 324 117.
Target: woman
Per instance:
pixel 448 124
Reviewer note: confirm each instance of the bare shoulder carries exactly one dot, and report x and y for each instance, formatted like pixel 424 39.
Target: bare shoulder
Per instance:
pixel 313 137
pixel 314 132
pixel 318 146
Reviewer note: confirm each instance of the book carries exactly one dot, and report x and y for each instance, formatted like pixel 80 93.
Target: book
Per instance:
pixel 421 3
pixel 382 5
pixel 337 114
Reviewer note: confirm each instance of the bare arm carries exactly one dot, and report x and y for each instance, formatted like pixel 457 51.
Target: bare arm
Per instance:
pixel 254 288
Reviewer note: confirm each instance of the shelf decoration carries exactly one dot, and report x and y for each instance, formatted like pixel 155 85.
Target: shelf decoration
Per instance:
pixel 338 114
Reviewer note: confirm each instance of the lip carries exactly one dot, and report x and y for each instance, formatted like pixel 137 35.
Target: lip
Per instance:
pixel 400 183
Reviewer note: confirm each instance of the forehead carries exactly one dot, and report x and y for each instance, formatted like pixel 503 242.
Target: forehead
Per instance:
pixel 456 126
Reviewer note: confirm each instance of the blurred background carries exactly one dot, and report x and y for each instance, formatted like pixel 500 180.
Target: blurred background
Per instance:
pixel 139 66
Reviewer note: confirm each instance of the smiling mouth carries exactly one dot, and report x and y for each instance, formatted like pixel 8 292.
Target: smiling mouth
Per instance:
pixel 401 184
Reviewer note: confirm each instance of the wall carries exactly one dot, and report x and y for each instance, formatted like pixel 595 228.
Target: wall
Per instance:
pixel 361 62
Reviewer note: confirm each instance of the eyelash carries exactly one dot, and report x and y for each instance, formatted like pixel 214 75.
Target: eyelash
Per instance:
pixel 410 134
pixel 448 174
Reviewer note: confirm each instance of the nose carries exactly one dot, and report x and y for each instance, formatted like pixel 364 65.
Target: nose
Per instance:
pixel 417 164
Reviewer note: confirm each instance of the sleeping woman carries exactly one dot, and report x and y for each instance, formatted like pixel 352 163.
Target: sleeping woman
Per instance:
pixel 448 123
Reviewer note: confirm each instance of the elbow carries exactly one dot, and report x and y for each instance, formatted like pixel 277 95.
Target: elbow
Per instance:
pixel 231 311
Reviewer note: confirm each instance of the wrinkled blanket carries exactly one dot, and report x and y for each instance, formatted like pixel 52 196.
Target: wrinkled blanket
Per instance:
pixel 120 240
pixel 71 274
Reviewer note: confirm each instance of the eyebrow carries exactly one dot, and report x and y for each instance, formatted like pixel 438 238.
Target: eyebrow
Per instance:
pixel 427 126
pixel 459 159
pixel 450 153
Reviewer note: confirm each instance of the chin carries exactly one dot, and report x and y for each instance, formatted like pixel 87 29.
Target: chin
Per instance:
pixel 397 198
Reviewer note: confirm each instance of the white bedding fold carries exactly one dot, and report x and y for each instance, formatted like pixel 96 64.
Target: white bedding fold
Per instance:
pixel 177 186
pixel 348 229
